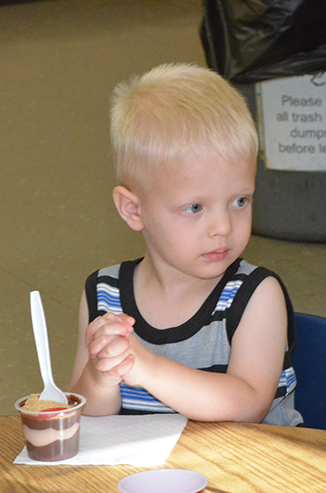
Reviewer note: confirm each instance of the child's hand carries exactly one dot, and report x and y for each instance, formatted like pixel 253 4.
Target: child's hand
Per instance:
pixel 108 345
pixel 143 363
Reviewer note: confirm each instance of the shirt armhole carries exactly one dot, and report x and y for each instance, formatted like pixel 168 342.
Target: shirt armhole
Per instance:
pixel 91 295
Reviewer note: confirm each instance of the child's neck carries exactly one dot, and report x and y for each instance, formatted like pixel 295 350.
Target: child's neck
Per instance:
pixel 166 300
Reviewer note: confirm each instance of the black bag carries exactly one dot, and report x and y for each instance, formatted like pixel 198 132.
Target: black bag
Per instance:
pixel 247 41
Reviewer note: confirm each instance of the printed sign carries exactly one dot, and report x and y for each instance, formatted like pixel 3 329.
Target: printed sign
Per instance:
pixel 292 122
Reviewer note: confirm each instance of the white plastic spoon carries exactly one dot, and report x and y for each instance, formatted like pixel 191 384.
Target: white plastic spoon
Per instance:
pixel 51 391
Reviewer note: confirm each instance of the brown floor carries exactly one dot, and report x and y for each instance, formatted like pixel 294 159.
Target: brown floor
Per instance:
pixel 59 63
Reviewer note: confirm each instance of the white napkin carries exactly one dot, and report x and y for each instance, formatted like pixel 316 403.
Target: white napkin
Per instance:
pixel 143 441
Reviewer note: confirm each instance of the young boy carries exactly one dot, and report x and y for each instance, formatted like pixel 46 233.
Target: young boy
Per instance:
pixel 191 327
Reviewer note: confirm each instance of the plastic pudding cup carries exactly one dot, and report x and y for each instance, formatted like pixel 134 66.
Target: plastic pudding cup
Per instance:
pixel 164 481
pixel 52 435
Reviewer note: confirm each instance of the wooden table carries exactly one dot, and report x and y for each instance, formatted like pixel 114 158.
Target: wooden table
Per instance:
pixel 236 458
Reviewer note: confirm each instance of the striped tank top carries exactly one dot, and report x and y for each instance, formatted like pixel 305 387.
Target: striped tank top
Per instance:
pixel 204 341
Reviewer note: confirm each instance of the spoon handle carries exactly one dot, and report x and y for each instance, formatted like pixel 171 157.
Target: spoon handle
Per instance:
pixel 41 337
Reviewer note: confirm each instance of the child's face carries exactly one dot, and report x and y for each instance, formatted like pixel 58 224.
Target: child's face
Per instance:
pixel 197 219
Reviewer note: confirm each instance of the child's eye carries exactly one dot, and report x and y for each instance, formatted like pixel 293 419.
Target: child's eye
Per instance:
pixel 239 202
pixel 193 209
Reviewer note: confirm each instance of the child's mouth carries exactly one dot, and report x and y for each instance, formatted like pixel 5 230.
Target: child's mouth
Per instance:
pixel 216 255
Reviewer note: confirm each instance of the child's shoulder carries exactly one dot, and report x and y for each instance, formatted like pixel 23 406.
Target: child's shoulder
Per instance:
pixel 249 277
pixel 241 286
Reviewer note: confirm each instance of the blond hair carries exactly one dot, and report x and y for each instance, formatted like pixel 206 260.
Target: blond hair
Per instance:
pixel 174 109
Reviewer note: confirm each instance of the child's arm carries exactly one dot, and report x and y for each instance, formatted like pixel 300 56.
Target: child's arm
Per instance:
pixel 246 392
pixel 101 389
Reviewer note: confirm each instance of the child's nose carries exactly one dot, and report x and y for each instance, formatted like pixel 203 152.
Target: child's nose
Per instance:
pixel 221 225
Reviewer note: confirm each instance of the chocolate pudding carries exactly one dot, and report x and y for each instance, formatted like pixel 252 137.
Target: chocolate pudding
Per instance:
pixel 52 434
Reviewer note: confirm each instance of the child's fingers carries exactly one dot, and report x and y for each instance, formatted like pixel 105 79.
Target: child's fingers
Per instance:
pixel 106 347
pixel 115 374
pixel 126 365
pixel 111 365
pixel 106 320
pixel 119 324
pixel 108 333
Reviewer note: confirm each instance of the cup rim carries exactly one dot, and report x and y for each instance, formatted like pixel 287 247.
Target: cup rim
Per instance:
pixel 51 413
pixel 165 471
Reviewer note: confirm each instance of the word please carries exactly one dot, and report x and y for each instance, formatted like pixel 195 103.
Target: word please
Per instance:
pixel 291 101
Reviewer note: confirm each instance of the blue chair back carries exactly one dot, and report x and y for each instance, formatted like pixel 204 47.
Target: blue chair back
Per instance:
pixel 309 362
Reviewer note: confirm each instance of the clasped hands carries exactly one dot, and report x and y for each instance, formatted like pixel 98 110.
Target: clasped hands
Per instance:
pixel 114 350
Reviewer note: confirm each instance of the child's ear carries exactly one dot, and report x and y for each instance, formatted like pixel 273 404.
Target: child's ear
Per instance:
pixel 127 204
